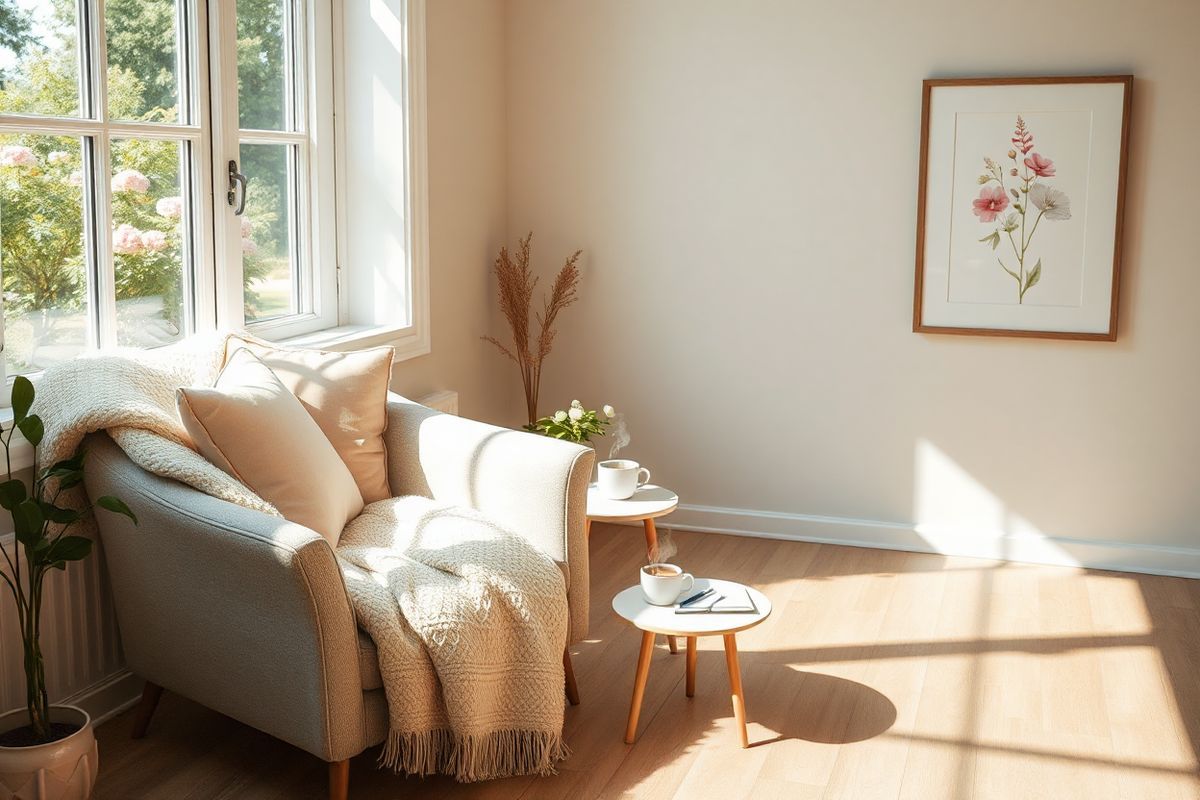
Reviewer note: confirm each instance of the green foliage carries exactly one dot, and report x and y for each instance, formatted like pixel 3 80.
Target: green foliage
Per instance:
pixel 576 424
pixel 40 526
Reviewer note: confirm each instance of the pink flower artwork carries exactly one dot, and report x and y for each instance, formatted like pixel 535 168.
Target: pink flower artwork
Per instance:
pixel 1029 194
pixel 127 240
pixel 991 202
pixel 130 180
pixel 1040 165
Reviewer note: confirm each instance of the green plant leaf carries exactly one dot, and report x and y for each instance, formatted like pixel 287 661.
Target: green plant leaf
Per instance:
pixel 31 428
pixel 993 239
pixel 28 522
pixel 62 516
pixel 11 493
pixel 1034 275
pixel 117 506
pixel 22 397
pixel 70 548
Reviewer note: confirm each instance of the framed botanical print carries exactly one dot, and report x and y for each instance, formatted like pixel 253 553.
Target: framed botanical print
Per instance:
pixel 1019 206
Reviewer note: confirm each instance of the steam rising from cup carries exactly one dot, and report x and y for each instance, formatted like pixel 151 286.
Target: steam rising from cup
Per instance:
pixel 620 436
pixel 664 550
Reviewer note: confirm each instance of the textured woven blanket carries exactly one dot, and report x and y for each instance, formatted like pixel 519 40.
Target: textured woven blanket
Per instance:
pixel 469 619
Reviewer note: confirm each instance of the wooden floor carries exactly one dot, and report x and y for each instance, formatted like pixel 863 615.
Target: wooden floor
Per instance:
pixel 880 675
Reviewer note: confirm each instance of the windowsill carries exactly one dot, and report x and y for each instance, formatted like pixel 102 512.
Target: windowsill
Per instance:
pixel 408 341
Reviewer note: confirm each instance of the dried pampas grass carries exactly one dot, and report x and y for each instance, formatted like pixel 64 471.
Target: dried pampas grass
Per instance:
pixel 514 290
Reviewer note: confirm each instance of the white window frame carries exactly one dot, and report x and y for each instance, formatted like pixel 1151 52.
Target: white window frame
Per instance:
pixel 414 338
pixel 93 122
pixel 315 222
pixel 214 295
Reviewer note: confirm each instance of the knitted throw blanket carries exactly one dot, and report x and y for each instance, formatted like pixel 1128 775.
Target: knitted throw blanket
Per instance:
pixel 469 619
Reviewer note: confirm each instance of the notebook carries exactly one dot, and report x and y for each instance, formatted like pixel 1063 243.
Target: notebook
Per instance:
pixel 726 600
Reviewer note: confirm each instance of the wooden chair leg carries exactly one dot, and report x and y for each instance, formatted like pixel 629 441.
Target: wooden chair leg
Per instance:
pixel 339 779
pixel 151 694
pixel 569 677
pixel 691 666
pixel 639 685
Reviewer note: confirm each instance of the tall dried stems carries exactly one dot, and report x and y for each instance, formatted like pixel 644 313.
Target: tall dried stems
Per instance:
pixel 515 284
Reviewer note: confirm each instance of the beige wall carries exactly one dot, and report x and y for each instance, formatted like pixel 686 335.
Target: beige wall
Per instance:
pixel 467 177
pixel 742 178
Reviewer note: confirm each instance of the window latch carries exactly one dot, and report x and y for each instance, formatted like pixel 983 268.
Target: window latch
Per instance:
pixel 233 197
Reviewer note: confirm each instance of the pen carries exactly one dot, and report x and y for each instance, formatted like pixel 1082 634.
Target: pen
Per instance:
pixel 696 597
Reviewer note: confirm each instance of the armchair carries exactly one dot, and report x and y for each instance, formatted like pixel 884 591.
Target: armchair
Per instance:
pixel 247 613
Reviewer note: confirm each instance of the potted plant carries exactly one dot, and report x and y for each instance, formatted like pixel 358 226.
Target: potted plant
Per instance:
pixel 47 752
pixel 575 424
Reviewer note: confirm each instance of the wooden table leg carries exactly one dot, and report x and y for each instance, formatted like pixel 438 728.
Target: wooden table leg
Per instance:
pixel 652 556
pixel 587 529
pixel 639 685
pixel 735 686
pixel 651 540
pixel 691 666
pixel 151 694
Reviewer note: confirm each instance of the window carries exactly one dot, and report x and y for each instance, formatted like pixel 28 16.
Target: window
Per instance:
pixel 121 124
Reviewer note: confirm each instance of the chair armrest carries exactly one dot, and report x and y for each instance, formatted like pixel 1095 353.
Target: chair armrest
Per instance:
pixel 240 611
pixel 533 485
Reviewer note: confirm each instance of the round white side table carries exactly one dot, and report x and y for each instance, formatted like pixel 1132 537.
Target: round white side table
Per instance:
pixel 647 504
pixel 631 606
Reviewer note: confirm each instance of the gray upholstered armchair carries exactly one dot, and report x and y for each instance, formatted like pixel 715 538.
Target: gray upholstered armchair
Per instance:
pixel 247 613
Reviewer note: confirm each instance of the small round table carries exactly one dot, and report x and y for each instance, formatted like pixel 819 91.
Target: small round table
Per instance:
pixel 645 505
pixel 631 606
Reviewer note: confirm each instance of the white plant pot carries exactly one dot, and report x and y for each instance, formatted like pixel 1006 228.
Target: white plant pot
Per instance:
pixel 60 770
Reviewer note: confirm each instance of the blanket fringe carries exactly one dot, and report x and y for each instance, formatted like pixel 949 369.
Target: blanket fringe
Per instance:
pixel 500 754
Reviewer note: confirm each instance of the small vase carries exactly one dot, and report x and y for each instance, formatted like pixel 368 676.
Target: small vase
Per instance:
pixel 64 769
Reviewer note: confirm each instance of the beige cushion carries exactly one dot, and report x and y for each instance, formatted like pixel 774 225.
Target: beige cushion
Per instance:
pixel 346 393
pixel 252 427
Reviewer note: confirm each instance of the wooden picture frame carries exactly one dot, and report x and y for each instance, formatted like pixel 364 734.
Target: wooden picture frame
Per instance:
pixel 1079 194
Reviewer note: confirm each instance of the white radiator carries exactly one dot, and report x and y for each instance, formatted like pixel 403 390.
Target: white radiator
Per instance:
pixel 80 642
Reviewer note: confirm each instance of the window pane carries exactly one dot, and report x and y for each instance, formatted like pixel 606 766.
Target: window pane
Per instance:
pixel 268 257
pixel 39 58
pixel 149 223
pixel 143 59
pixel 41 250
pixel 263 64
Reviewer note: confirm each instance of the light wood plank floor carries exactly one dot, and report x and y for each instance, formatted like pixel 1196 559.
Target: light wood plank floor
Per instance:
pixel 880 675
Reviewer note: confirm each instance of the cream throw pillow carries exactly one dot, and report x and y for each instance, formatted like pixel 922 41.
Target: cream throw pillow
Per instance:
pixel 252 427
pixel 346 393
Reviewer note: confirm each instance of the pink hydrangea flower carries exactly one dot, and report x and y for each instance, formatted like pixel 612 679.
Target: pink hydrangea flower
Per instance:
pixel 154 241
pixel 991 202
pixel 75 178
pixel 130 180
pixel 247 227
pixel 1040 165
pixel 15 155
pixel 57 156
pixel 249 247
pixel 170 207
pixel 127 240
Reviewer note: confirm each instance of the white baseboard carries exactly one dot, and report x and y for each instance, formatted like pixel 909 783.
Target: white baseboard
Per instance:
pixel 105 699
pixel 1033 548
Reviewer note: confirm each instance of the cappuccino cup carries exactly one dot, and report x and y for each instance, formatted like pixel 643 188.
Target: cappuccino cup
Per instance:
pixel 663 583
pixel 619 478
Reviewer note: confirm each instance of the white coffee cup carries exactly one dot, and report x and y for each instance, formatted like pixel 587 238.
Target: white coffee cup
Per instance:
pixel 663 583
pixel 619 478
